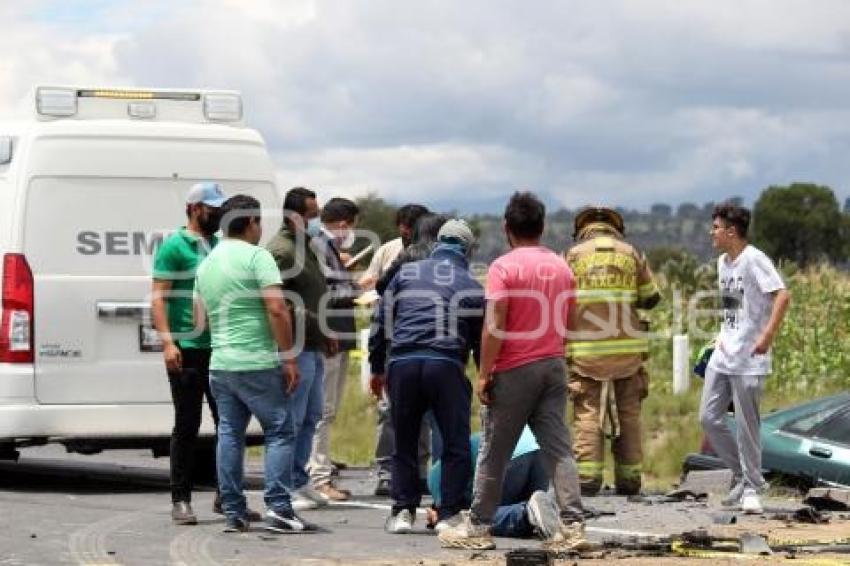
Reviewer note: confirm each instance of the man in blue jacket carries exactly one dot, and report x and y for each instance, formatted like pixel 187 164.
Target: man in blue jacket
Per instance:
pixel 431 313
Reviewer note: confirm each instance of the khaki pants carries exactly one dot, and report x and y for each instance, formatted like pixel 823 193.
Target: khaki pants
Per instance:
pixel 336 371
pixel 586 393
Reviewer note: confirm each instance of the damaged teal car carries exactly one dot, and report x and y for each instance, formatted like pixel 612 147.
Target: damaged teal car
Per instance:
pixel 807 443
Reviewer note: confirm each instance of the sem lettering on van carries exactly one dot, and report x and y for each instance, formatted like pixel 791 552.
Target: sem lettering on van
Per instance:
pixel 118 243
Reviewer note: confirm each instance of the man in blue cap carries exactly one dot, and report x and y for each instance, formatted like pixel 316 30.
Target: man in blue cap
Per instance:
pixel 185 349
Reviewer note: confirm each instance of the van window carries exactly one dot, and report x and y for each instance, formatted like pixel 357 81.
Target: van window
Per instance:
pixel 110 226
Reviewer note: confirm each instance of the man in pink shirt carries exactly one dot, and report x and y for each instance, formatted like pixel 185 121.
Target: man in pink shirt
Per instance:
pixel 523 377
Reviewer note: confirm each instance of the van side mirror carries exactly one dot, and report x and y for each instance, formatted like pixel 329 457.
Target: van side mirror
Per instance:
pixel 5 150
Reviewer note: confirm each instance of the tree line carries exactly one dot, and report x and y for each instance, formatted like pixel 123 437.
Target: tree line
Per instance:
pixel 801 222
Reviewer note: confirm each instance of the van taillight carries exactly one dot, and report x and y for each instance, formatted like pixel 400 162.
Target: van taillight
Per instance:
pixel 16 324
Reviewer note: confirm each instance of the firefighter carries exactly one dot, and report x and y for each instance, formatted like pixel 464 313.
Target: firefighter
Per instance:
pixel 608 347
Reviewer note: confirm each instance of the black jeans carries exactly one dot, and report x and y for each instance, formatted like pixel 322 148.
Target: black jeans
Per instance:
pixel 416 385
pixel 188 388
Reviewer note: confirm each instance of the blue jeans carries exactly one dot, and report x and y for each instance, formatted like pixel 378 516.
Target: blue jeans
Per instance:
pixel 240 394
pixel 523 476
pixel 307 406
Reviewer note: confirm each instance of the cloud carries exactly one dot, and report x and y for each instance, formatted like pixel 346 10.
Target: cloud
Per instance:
pixel 620 102
pixel 430 172
pixel 45 52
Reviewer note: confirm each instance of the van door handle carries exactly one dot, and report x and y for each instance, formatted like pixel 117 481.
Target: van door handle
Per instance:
pixel 117 311
pixel 820 452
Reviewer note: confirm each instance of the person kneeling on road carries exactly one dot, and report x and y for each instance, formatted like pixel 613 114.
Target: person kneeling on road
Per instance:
pixel 526 510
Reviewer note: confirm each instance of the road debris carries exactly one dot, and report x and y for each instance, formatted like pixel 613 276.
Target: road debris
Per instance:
pixel 754 544
pixel 828 499
pixel 529 557
pixel 675 496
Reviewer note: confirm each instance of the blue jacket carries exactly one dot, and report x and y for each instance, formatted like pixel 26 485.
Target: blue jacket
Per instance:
pixel 432 308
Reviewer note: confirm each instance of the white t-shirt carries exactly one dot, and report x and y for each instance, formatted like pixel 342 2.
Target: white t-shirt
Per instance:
pixel 746 287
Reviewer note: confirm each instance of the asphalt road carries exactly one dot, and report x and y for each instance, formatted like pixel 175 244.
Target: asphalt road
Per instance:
pixel 113 508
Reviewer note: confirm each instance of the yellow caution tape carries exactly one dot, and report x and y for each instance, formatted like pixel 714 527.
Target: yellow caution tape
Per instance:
pixel 680 548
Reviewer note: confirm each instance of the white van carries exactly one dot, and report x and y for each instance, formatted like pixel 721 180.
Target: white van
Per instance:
pixel 89 185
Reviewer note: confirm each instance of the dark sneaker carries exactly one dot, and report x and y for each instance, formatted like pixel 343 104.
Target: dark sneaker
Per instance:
pixel 182 514
pixel 382 488
pixel 236 525
pixel 287 522
pixel 250 514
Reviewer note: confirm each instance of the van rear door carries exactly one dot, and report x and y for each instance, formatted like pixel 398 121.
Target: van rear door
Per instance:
pixel 90 242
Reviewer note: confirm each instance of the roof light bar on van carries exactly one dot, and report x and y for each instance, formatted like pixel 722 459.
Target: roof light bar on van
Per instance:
pixel 223 107
pixel 56 101
pixel 139 95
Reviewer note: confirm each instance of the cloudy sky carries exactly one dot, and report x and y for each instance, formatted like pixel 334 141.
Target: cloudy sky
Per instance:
pixel 460 103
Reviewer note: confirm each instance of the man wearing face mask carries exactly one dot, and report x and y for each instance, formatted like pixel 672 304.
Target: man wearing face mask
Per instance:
pixel 186 351
pixel 335 233
pixel 305 286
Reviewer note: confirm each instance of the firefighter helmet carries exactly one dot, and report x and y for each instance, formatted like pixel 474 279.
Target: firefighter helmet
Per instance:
pixel 603 214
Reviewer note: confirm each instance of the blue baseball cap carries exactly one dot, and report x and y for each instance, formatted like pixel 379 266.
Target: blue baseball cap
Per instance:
pixel 208 193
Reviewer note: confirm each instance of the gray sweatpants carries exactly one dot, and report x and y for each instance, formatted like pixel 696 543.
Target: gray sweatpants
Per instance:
pixel 740 452
pixel 536 394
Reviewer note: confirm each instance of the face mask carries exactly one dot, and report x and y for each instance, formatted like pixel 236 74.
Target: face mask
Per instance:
pixel 314 227
pixel 210 223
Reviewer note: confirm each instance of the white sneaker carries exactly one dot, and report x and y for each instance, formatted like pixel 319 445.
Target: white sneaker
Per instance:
pixel 300 502
pixel 449 523
pixel 543 515
pixel 400 523
pixel 750 502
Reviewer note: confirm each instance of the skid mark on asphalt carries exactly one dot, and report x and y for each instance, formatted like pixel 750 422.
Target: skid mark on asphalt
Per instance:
pixel 191 547
pixel 88 545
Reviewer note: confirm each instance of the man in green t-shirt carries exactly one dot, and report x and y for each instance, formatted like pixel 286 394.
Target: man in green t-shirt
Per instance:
pixel 239 295
pixel 185 348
